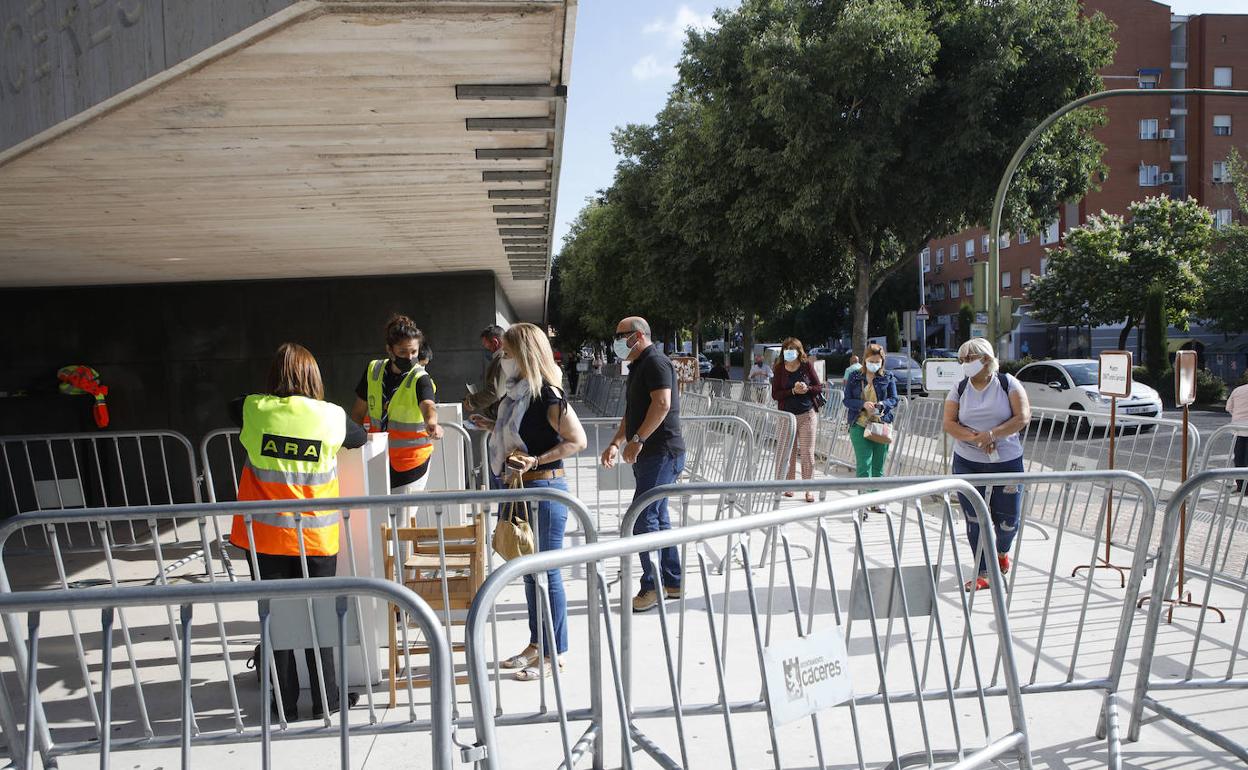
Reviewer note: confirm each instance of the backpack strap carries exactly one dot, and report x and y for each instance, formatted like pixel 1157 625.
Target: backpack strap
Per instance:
pixel 962 387
pixel 1003 380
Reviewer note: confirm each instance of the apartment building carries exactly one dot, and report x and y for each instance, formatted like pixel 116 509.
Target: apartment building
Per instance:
pixel 1171 145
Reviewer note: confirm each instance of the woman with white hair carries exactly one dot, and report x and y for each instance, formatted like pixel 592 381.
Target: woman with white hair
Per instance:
pixel 985 414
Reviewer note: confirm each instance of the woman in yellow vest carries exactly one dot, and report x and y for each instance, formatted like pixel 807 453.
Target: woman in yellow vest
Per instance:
pixel 292 438
pixel 396 395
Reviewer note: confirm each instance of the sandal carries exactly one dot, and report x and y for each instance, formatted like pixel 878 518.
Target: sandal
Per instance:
pixel 978 584
pixel 533 673
pixel 526 658
pixel 788 494
pixel 810 498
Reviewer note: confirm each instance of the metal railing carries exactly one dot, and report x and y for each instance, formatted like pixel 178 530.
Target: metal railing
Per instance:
pixel 910 690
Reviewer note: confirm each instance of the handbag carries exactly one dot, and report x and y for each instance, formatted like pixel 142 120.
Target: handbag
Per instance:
pixel 512 534
pixel 879 432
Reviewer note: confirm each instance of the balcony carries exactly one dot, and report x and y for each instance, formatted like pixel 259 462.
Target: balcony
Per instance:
pixel 1178 54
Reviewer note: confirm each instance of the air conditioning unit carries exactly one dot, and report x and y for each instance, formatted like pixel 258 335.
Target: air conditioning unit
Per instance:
pixel 1167 178
pixel 1167 133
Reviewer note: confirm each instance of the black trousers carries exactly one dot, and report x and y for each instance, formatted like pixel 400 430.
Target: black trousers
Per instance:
pixel 1241 458
pixel 282 568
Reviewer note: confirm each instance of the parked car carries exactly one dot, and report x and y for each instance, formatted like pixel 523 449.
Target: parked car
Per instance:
pixel 1070 383
pixel 941 353
pixel 909 374
pixel 704 365
pixel 820 352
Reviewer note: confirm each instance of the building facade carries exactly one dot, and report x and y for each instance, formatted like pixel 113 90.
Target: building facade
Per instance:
pixel 1170 145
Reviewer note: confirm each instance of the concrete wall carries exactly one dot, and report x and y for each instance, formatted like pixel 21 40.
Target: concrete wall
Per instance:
pixel 174 354
pixel 60 57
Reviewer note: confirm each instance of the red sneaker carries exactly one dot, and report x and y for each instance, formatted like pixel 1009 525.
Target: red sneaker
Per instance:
pixel 978 584
pixel 1003 559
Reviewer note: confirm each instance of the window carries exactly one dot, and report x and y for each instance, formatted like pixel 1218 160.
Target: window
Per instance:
pixel 955 288
pixel 1038 373
pixel 925 260
pixel 1149 78
pixel 940 292
pixel 953 253
pixel 1044 266
pixel 970 248
pixel 1222 218
pixel 1221 77
pixel 1004 243
pixel 1219 172
pixel 1148 128
pixel 1005 279
pixel 1023 237
pixel 984 241
pixel 968 287
pixel 1048 235
pixel 940 256
pixel 1148 175
pixel 1024 277
pixel 1221 125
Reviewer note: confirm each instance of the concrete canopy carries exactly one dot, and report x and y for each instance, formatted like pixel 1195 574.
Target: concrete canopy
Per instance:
pixel 332 139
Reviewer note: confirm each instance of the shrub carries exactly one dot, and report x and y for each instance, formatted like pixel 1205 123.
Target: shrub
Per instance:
pixel 1210 388
pixel 1012 367
pixel 1243 379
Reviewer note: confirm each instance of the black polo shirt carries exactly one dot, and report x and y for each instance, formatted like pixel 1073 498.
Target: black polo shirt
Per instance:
pixel 653 371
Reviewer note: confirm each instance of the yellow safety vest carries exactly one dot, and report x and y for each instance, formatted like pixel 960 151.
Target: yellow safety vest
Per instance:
pixel 410 445
pixel 292 446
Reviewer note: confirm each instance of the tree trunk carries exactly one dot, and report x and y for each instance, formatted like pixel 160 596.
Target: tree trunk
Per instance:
pixel 697 334
pixel 747 343
pixel 862 301
pixel 1125 333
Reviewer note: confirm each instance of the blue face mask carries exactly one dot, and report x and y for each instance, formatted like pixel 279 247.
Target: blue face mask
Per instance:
pixel 790 355
pixel 621 348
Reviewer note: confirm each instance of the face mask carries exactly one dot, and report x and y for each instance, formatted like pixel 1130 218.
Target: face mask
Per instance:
pixel 621 348
pixel 972 368
pixel 404 364
pixel 790 355
pixel 873 367
pixel 511 369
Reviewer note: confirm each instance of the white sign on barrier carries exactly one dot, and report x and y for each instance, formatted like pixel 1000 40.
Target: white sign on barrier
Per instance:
pixel 941 375
pixel 807 675
pixel 1115 373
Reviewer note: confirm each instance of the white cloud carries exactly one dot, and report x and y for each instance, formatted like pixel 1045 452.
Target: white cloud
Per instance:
pixel 673 29
pixel 648 68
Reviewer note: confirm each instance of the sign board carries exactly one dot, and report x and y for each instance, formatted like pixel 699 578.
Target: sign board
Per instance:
pixel 807 675
pixel 686 369
pixel 1184 377
pixel 923 313
pixel 979 330
pixel 1114 375
pixel 981 317
pixel 941 375
pixel 820 367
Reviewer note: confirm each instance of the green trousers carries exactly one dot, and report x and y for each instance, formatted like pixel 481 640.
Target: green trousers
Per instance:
pixel 869 454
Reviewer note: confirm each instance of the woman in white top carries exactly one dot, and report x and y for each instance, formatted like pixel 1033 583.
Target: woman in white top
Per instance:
pixel 985 414
pixel 1237 405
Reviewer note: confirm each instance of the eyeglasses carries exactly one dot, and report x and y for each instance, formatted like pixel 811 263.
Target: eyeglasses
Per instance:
pixel 623 335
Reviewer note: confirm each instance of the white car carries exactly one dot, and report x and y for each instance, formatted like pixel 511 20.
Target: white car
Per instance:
pixel 1070 383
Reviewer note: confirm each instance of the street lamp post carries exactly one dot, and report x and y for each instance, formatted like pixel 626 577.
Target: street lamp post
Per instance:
pixel 995 327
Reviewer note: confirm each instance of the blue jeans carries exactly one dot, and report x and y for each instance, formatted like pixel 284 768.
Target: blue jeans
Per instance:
pixel 552 518
pixel 1004 505
pixel 651 472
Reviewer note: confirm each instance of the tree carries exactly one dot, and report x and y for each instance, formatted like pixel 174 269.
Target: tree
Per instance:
pixel 966 317
pixel 892 332
pixel 1156 353
pixel 1227 274
pixel 1105 270
pixel 863 128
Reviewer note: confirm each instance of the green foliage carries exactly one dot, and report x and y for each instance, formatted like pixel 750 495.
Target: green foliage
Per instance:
pixel 1013 367
pixel 892 332
pixel 966 317
pixel 1156 358
pixel 1243 379
pixel 1103 273
pixel 1210 388
pixel 1225 281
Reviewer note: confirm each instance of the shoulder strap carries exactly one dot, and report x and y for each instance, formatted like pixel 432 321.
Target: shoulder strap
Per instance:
pixel 962 386
pixel 1004 379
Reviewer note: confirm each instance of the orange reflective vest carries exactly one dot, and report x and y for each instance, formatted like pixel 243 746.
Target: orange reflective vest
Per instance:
pixel 409 442
pixel 292 447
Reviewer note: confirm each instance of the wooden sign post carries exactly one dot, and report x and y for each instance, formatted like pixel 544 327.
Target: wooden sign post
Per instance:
pixel 1184 395
pixel 1113 380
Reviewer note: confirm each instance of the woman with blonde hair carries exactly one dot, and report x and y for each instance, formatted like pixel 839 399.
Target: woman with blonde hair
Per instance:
pixel 985 413
pixel 535 430
pixel 797 389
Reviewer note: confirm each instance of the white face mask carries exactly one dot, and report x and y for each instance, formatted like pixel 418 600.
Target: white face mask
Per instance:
pixel 873 367
pixel 621 348
pixel 790 355
pixel 511 369
pixel 972 368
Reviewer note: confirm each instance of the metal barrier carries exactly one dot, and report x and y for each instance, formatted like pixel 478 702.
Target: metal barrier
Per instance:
pixel 1049 627
pixel 98 470
pixel 193 724
pixel 1203 656
pixel 915 697
pixel 1220 447
pixel 361 553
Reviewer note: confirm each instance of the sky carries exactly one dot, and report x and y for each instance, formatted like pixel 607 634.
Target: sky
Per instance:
pixel 623 64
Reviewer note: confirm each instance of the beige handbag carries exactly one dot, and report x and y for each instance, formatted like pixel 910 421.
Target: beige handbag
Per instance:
pixel 879 432
pixel 512 534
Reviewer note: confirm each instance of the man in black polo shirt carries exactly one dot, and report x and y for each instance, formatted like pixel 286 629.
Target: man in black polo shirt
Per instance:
pixel 652 444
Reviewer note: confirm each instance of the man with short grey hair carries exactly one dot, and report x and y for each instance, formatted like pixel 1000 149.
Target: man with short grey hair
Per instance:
pixel 649 439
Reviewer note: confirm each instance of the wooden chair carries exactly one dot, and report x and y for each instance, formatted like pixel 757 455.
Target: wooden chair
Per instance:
pixel 422 572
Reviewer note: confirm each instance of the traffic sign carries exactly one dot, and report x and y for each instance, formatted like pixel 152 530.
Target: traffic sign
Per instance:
pixel 923 315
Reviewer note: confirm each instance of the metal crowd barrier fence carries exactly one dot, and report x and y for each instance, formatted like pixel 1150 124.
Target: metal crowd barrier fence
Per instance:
pixel 362 552
pixel 1220 447
pixel 65 471
pixel 1052 614
pixel 1196 654
pixel 907 687
pixel 38 605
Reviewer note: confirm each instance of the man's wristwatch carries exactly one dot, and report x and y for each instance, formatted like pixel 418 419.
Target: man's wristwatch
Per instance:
pixel 637 439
